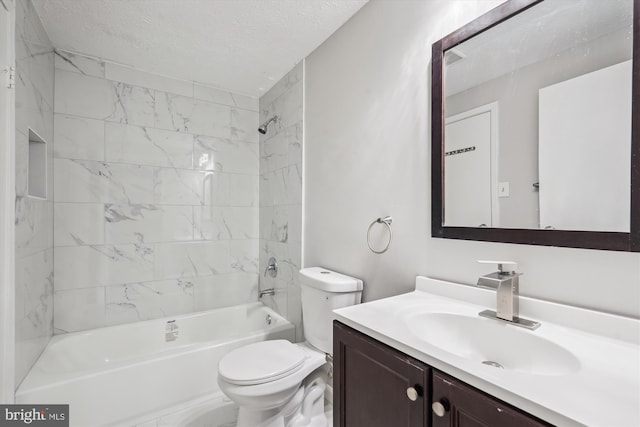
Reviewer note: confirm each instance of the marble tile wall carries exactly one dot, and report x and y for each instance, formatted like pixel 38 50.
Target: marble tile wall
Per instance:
pixel 281 194
pixel 156 195
pixel 34 216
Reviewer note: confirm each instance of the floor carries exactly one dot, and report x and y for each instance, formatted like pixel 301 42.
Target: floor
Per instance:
pixel 210 411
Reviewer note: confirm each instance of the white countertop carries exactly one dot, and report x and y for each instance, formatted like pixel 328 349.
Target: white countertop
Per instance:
pixel 603 391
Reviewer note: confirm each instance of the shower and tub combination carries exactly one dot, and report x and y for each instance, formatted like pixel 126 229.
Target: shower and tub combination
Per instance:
pixel 135 373
pixel 142 266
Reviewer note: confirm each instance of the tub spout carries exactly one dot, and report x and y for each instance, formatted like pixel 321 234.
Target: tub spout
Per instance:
pixel 263 292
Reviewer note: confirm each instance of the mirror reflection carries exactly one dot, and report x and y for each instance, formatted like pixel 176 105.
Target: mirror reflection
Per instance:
pixel 538 120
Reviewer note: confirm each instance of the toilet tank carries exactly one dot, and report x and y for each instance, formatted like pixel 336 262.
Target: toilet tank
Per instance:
pixel 323 291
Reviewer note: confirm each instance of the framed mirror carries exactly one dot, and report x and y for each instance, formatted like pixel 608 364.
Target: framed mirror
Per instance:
pixel 536 126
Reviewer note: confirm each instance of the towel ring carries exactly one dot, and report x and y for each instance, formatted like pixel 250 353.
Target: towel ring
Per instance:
pixel 386 221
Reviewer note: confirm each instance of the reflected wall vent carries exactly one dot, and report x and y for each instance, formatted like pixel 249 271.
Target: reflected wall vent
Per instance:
pixel 453 55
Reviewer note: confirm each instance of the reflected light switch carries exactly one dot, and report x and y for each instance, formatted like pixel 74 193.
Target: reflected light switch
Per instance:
pixel 503 189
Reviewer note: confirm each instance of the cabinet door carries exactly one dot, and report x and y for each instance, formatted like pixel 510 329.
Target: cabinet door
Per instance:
pixel 371 382
pixel 465 406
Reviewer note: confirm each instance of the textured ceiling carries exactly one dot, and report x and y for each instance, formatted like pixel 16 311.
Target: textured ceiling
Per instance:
pixel 240 45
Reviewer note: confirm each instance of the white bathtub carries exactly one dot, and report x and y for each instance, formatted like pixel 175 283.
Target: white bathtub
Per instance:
pixel 119 373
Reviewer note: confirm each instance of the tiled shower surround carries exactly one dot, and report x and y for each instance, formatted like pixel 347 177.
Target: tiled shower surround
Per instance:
pixel 34 215
pixel 281 193
pixel 156 195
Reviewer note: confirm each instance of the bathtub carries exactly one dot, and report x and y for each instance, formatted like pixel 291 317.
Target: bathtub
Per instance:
pixel 112 375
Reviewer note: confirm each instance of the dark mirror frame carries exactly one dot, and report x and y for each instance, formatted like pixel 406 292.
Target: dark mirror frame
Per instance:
pixel 615 241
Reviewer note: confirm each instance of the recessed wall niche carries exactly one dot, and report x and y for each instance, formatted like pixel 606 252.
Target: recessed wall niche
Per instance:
pixel 37 181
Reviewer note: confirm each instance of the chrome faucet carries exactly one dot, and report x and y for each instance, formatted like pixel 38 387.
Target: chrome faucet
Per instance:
pixel 506 283
pixel 272 270
pixel 266 292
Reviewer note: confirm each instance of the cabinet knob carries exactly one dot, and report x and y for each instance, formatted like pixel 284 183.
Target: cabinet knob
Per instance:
pixel 414 392
pixel 440 408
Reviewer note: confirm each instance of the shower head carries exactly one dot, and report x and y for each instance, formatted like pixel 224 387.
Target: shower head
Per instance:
pixel 263 128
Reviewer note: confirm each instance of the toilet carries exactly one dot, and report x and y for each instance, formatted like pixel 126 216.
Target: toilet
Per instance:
pixel 280 384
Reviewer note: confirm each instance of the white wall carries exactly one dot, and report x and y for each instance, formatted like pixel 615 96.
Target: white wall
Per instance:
pixel 34 216
pixel 156 195
pixel 281 194
pixel 7 209
pixel 367 154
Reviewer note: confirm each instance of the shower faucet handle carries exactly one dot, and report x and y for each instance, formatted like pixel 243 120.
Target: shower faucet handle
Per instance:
pixel 272 268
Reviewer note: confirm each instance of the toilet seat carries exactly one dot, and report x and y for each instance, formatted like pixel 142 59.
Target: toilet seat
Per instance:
pixel 261 362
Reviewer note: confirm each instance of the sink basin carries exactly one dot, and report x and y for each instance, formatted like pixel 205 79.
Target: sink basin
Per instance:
pixel 493 343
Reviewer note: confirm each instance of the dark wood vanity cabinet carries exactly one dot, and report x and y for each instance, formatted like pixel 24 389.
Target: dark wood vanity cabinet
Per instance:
pixel 460 405
pixel 374 384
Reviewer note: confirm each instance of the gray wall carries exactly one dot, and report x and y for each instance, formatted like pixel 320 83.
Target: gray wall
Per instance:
pixel 34 216
pixel 281 193
pixel 367 139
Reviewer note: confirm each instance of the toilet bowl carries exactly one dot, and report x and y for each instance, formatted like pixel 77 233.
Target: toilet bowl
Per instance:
pixel 280 384
pixel 264 390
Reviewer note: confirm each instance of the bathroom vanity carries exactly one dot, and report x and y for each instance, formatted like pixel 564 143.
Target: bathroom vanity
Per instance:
pixel 428 358
pixel 379 386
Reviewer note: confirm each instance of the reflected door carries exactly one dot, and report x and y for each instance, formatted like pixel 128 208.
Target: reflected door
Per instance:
pixel 467 170
pixel 584 146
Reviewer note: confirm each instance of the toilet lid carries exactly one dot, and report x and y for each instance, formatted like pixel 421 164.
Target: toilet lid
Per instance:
pixel 261 362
